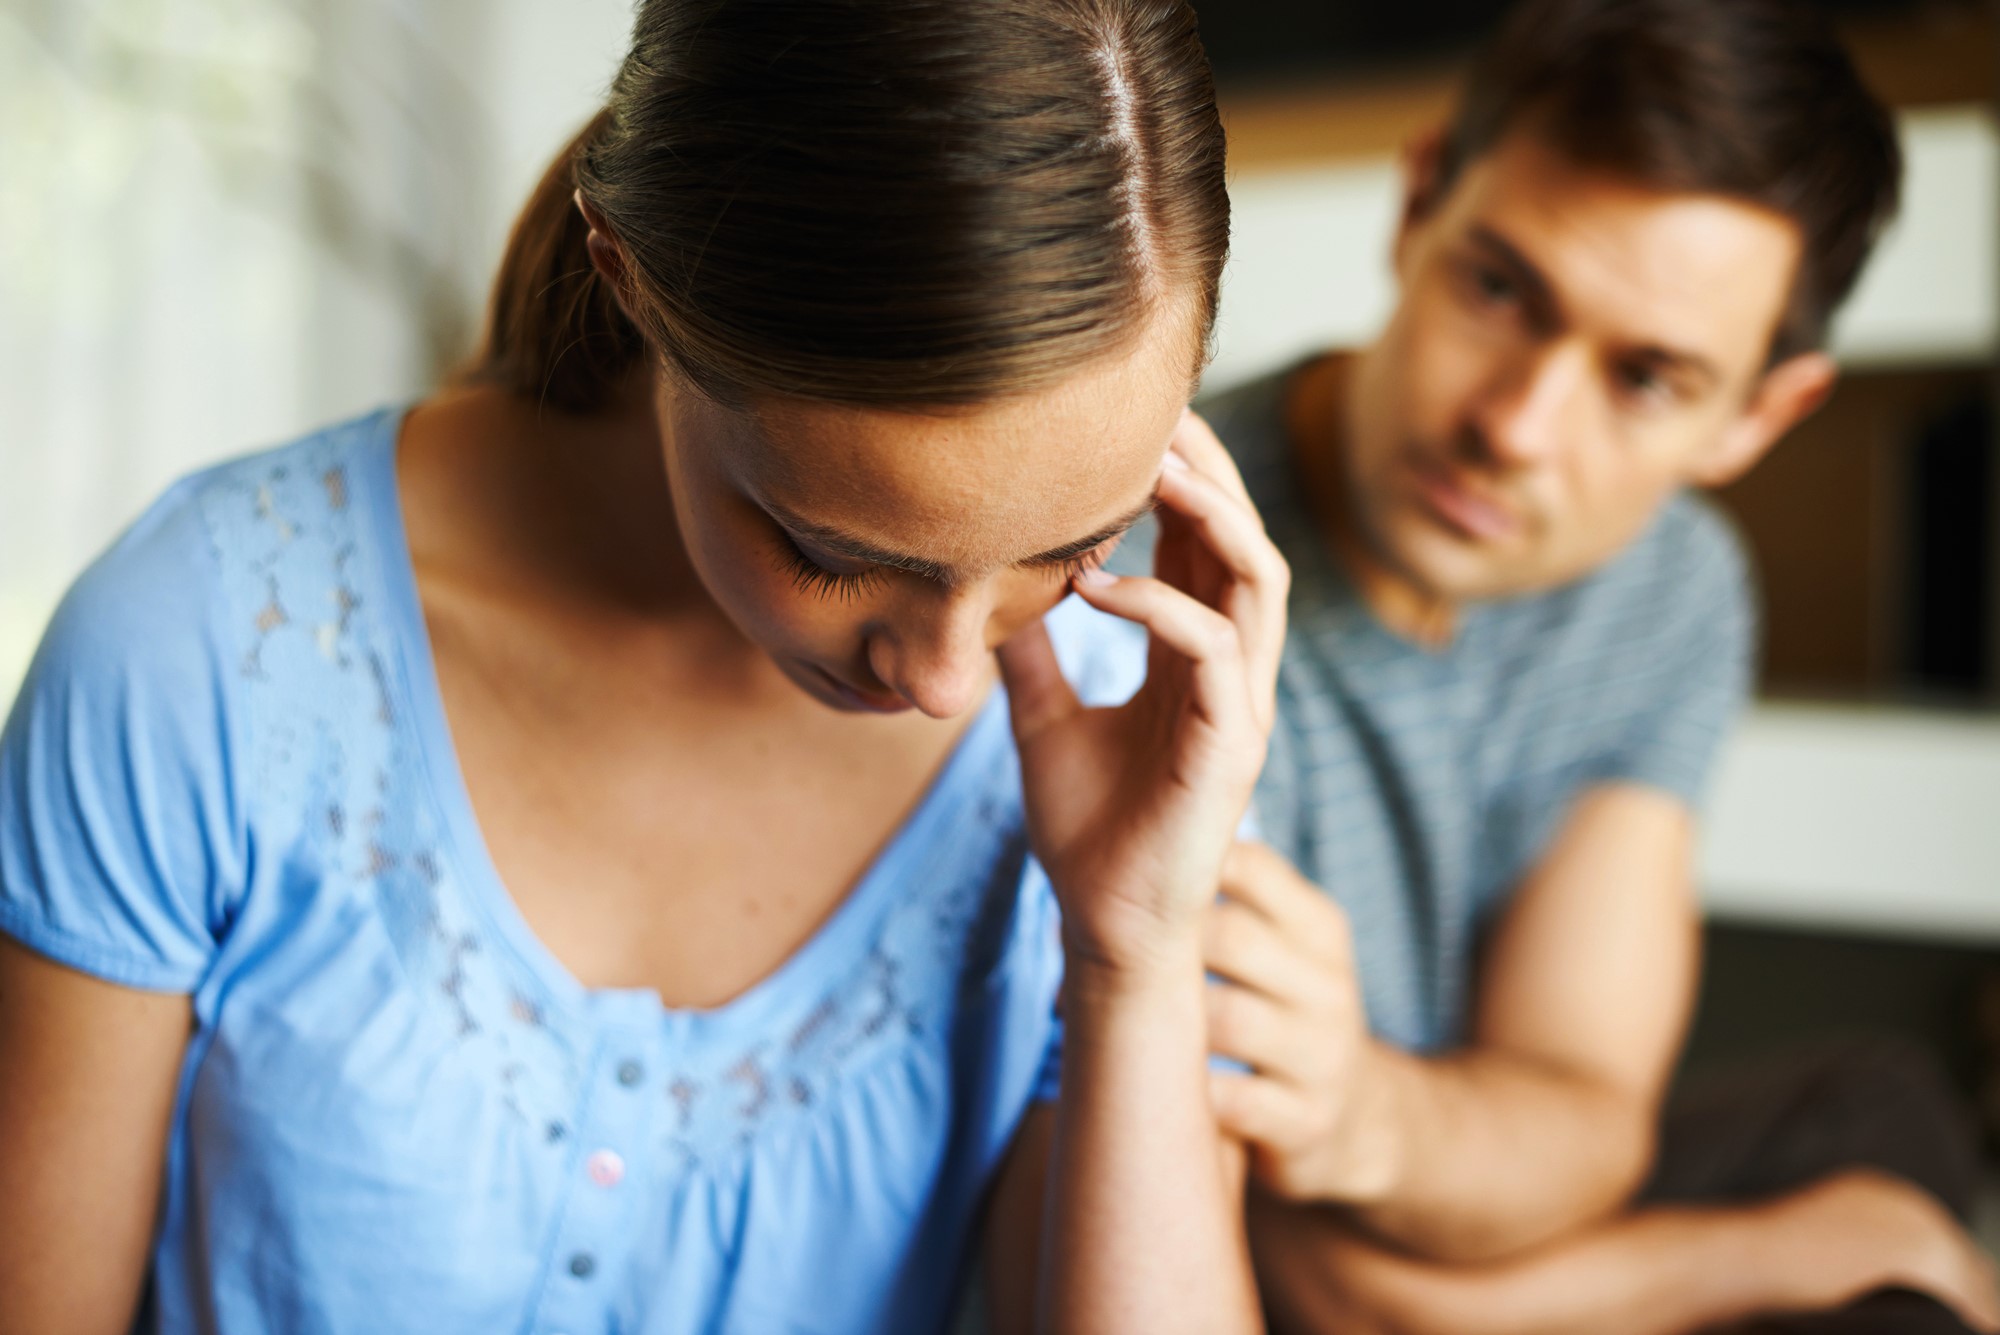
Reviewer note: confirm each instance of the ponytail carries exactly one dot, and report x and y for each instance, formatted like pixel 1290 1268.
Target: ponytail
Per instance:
pixel 554 332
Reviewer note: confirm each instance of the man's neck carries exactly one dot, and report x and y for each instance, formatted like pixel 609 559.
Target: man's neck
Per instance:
pixel 1322 407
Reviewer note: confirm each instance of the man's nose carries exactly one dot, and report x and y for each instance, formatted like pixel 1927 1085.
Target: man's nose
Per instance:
pixel 935 657
pixel 1524 416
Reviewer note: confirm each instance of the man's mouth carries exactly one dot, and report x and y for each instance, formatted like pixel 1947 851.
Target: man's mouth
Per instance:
pixel 1460 507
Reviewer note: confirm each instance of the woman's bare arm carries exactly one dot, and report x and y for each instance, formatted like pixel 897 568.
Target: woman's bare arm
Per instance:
pixel 1131 810
pixel 1016 1214
pixel 87 1078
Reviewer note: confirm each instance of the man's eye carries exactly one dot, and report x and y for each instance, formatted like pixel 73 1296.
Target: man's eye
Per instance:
pixel 1643 382
pixel 1492 285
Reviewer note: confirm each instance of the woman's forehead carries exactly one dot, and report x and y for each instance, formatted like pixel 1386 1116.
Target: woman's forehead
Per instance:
pixel 973 491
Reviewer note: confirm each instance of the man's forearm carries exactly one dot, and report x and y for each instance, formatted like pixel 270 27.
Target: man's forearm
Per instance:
pixel 1652 1272
pixel 1486 1154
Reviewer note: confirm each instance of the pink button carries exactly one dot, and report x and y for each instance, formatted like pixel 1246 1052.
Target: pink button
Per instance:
pixel 606 1168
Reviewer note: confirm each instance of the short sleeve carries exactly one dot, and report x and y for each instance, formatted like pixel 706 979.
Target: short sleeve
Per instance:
pixel 1706 639
pixel 118 827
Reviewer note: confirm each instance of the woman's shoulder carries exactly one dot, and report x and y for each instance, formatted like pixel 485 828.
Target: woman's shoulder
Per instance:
pixel 123 783
pixel 157 594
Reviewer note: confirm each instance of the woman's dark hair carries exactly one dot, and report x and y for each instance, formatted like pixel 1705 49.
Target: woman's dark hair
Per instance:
pixel 1753 99
pixel 892 203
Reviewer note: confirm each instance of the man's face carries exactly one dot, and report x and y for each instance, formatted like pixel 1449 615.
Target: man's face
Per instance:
pixel 1570 349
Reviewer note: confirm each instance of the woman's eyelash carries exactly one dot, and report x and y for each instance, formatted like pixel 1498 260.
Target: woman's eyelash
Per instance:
pixel 1089 561
pixel 809 576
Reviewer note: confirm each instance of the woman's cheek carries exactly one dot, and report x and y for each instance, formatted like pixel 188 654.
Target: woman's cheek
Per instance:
pixel 745 580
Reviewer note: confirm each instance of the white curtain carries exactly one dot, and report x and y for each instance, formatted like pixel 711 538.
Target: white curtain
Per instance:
pixel 223 222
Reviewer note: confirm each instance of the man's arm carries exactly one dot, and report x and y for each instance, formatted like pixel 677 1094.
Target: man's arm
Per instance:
pixel 1545 1121
pixel 1652 1272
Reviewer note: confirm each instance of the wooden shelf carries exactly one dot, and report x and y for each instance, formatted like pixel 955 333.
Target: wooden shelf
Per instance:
pixel 1944 56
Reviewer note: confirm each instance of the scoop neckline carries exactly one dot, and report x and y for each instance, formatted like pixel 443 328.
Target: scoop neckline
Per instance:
pixel 844 935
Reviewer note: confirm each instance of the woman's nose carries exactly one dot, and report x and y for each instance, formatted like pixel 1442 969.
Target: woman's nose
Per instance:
pixel 936 658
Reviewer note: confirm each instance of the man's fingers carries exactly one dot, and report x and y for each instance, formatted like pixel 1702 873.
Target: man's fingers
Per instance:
pixel 1251 1107
pixel 1250 1028
pixel 1037 692
pixel 1260 878
pixel 1250 950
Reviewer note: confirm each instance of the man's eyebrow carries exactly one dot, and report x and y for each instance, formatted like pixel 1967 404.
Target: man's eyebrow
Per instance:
pixel 1542 296
pixel 859 549
pixel 1675 361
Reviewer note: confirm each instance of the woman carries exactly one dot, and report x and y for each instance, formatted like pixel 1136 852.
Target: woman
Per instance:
pixel 556 859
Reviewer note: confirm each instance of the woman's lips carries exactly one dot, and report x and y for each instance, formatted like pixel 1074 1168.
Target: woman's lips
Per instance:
pixel 854 699
pixel 1459 507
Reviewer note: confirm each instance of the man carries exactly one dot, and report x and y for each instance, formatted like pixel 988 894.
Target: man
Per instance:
pixel 1516 643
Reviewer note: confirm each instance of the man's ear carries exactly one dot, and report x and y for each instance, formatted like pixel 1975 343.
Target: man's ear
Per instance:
pixel 1790 392
pixel 1423 166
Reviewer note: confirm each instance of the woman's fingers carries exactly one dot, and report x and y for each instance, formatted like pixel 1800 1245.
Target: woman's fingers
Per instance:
pixel 1258 580
pixel 1205 637
pixel 1197 443
pixel 1037 692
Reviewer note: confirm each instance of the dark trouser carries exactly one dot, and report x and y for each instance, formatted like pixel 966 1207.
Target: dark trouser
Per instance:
pixel 1757 1133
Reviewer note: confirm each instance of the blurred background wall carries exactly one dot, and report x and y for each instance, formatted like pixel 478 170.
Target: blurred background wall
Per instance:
pixel 223 222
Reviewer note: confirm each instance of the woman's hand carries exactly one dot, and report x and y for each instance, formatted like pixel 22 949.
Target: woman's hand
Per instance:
pixel 1132 809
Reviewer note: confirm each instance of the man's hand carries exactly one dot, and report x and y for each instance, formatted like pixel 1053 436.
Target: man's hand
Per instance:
pixel 1861 1230
pixel 1290 1009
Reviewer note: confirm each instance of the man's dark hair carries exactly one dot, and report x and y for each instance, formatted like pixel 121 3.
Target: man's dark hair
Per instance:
pixel 1752 99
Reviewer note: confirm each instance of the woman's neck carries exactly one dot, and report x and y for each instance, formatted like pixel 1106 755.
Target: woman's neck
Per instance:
pixel 563 513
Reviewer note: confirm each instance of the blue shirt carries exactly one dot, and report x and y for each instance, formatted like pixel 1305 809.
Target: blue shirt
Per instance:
pixel 229 774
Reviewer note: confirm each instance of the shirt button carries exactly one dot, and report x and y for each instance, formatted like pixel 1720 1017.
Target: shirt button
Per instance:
pixel 630 1073
pixel 606 1168
pixel 582 1265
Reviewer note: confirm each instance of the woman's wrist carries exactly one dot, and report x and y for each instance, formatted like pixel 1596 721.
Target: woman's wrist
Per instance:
pixel 1164 964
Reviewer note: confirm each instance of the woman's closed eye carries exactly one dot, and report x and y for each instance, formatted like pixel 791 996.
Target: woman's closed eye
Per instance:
pixel 820 578
pixel 824 579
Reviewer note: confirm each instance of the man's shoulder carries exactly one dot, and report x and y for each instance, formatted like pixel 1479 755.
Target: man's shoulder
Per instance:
pixel 1689 562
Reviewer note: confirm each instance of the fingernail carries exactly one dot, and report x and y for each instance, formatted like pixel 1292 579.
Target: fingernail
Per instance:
pixel 1097 577
pixel 1173 463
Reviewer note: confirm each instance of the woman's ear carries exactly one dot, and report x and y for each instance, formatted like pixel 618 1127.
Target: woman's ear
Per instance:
pixel 607 258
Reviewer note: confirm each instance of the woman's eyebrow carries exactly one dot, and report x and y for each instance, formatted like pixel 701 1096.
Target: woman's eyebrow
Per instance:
pixel 860 549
